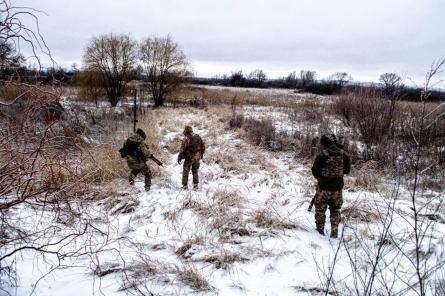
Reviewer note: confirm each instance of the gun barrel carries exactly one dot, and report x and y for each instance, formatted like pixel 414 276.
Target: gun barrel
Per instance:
pixel 157 161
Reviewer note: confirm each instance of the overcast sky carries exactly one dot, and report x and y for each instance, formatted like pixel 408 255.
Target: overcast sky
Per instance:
pixel 363 38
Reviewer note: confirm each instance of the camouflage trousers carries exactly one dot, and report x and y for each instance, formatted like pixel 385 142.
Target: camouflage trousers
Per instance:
pixel 189 164
pixel 334 200
pixel 145 171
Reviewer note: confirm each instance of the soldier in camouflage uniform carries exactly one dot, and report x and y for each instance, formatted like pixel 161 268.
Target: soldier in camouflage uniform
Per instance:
pixel 329 168
pixel 192 151
pixel 137 152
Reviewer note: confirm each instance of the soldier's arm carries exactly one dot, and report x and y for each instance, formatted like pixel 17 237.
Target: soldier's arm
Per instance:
pixel 203 148
pixel 184 145
pixel 346 164
pixel 316 167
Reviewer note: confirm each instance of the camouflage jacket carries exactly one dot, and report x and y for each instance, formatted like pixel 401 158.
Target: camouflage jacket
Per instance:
pixel 329 168
pixel 192 147
pixel 136 163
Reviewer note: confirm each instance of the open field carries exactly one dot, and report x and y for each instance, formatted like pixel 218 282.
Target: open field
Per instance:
pixel 246 230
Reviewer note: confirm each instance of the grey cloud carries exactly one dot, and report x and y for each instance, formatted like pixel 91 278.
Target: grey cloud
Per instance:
pixel 363 36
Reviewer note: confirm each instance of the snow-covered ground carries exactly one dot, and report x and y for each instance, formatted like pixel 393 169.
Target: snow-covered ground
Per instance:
pixel 246 231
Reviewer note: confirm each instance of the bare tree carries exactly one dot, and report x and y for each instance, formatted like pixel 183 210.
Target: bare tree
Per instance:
pixel 39 212
pixel 340 78
pixel 392 87
pixel 165 66
pixel 392 83
pixel 10 60
pixel 91 85
pixel 113 56
pixel 14 28
pixel 307 77
pixel 292 80
pixel 257 77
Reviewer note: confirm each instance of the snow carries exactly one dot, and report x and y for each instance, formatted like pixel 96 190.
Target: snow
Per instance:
pixel 273 261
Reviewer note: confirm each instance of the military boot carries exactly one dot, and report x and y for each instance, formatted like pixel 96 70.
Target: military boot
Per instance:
pixel 320 231
pixel 147 188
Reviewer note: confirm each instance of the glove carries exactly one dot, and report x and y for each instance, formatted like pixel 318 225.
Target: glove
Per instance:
pixel 180 157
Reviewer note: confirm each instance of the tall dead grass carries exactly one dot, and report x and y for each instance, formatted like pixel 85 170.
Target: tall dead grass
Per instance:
pixel 200 96
pixel 102 163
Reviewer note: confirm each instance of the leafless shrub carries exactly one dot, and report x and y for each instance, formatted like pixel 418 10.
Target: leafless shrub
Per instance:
pixel 391 261
pixel 439 287
pixel 365 110
pixel 262 132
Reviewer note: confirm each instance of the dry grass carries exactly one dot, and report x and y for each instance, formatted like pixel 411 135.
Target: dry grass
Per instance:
pixel 359 212
pixel 191 277
pixel 227 199
pixel 197 240
pixel 200 96
pixel 102 163
pixel 225 260
pixel 227 216
pixel 223 213
pixel 267 219
pixel 367 180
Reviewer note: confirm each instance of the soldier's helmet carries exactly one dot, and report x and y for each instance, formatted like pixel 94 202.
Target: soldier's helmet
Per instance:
pixel 188 130
pixel 328 140
pixel 141 133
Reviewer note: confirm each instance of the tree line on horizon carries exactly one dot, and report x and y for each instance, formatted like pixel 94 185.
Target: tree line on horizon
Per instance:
pixel 110 61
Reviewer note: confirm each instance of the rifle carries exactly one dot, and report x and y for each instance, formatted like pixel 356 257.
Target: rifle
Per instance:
pixel 312 201
pixel 157 161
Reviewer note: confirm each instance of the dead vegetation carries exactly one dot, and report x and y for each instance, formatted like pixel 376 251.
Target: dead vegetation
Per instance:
pixel 190 276
pixel 198 96
pixel 225 260
pixel 198 240
pixel 265 218
pixel 359 212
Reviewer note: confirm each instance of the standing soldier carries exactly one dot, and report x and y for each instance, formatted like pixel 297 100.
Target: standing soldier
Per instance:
pixel 136 152
pixel 192 151
pixel 329 168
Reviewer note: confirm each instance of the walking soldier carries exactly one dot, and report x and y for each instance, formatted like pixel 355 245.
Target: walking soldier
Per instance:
pixel 192 151
pixel 136 153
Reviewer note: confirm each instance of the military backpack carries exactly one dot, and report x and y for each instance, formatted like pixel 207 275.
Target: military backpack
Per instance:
pixel 194 146
pixel 333 167
pixel 131 148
